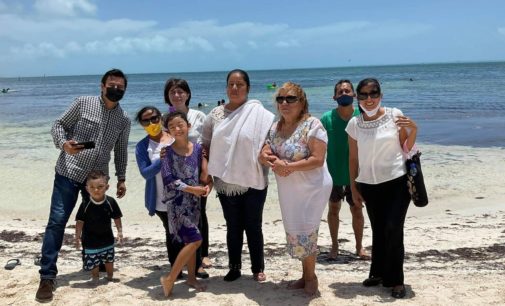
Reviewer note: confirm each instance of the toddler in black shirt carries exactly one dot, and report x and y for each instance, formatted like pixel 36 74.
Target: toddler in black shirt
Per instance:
pixel 93 226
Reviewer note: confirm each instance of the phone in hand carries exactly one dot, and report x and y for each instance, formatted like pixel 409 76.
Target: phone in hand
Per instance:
pixel 86 144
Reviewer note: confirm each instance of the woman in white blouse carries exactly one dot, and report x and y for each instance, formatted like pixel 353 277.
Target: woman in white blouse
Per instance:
pixel 378 139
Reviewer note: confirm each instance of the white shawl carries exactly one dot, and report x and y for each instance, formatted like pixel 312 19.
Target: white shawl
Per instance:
pixel 236 143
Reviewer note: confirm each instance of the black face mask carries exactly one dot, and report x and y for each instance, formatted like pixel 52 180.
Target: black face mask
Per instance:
pixel 114 94
pixel 344 100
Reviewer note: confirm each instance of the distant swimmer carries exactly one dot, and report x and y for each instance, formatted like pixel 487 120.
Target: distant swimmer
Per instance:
pixel 5 90
pixel 411 79
pixel 200 105
pixel 272 85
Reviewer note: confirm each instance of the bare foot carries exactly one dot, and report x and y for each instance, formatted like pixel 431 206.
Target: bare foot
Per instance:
pixel 362 254
pixel 94 281
pixel 206 263
pixel 112 279
pixel 333 253
pixel 297 284
pixel 311 286
pixel 197 285
pixel 167 286
pixel 260 277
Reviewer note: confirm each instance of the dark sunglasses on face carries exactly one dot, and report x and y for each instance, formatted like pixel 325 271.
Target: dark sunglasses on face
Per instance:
pixel 289 99
pixel 154 119
pixel 373 94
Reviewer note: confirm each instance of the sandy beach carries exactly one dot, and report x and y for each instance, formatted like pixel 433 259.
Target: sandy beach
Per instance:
pixel 454 246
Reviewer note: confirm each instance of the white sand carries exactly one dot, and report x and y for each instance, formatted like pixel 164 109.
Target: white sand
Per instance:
pixel 454 247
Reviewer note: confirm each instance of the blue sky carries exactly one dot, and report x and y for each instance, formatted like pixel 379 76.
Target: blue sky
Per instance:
pixel 72 37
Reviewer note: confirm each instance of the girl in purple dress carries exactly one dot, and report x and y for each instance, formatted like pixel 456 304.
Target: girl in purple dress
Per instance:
pixel 183 169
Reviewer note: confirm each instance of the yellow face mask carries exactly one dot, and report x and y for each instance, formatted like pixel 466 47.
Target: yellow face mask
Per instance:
pixel 153 129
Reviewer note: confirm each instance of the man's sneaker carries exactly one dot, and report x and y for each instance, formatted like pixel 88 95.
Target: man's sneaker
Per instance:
pixel 45 291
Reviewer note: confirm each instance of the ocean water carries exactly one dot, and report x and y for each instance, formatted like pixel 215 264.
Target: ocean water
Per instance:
pixel 453 104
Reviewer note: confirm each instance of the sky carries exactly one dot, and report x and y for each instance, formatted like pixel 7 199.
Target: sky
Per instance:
pixel 78 37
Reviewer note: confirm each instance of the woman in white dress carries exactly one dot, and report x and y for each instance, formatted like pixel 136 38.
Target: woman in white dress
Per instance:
pixel 295 150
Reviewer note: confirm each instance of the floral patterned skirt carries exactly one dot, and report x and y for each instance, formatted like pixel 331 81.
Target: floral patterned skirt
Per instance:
pixel 302 245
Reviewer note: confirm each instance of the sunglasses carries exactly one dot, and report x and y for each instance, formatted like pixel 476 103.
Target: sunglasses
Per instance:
pixel 365 95
pixel 289 99
pixel 154 119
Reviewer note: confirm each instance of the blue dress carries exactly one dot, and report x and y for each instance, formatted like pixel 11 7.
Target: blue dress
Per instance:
pixel 183 208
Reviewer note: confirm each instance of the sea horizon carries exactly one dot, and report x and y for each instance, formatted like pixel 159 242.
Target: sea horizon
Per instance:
pixel 451 102
pixel 265 69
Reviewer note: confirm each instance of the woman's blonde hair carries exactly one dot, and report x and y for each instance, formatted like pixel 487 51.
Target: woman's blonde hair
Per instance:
pixel 302 98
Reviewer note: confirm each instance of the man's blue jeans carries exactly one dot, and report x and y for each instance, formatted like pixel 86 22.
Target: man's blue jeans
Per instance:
pixel 65 193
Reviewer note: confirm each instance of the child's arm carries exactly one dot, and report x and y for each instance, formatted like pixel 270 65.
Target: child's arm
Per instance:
pixel 204 170
pixel 196 190
pixel 205 178
pixel 78 232
pixel 208 186
pixel 119 228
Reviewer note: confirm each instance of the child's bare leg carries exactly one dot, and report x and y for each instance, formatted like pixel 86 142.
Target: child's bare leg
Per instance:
pixel 109 267
pixel 95 275
pixel 191 264
pixel 167 282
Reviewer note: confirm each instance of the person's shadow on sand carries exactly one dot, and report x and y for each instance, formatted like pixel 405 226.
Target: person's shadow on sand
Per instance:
pixel 151 283
pixel 252 290
pixel 73 279
pixel 352 290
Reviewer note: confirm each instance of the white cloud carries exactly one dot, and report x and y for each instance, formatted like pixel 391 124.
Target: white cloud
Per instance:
pixel 287 43
pixel 52 34
pixel 44 49
pixel 252 44
pixel 67 8
pixel 229 45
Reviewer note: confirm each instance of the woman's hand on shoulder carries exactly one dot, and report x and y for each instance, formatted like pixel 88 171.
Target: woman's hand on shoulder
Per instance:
pixel 406 122
pixel 163 151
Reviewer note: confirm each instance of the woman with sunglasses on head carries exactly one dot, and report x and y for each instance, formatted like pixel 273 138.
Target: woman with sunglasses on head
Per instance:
pixel 149 152
pixel 233 135
pixel 177 95
pixel 378 140
pixel 296 150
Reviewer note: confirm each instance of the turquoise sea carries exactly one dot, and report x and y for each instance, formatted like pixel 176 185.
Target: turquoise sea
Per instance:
pixel 453 104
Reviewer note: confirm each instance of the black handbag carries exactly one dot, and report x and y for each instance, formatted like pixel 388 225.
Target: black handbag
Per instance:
pixel 415 181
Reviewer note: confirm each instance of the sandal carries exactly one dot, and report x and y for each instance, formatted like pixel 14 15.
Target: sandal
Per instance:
pixel 260 277
pixel 12 263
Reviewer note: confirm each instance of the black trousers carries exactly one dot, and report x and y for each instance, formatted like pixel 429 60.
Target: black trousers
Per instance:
pixel 386 205
pixel 204 227
pixel 244 212
pixel 174 247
